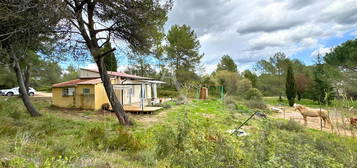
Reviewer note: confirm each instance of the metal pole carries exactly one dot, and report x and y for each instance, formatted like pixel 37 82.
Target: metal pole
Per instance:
pixel 246 120
pixel 142 99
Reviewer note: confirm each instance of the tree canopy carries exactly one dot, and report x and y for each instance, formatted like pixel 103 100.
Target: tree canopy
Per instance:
pixel 227 63
pixel 183 47
pixel 344 56
pixel 135 23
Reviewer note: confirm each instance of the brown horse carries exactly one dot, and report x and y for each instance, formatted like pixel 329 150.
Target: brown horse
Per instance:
pixel 309 112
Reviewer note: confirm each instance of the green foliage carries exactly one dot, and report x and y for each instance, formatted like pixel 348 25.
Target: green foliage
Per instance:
pixel 322 90
pixel 167 93
pixel 189 145
pixel 227 63
pixel 244 85
pixel 254 104
pixel 110 61
pixel 186 76
pixel 253 94
pixel 291 125
pixel 229 80
pixel 265 83
pixel 290 85
pixel 344 55
pixel 230 102
pixel 183 48
pixel 252 77
pixel 100 139
pixel 287 146
pixel 190 135
pixel 7 78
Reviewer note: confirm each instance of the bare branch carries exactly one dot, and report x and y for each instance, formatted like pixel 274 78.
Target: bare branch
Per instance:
pixel 108 52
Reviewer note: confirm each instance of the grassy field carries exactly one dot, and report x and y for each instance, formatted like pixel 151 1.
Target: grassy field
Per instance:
pixel 192 135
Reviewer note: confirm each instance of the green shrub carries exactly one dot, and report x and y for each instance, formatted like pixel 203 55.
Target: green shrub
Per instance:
pixel 253 94
pixel 255 104
pixel 146 157
pixel 167 93
pixel 182 99
pixel 189 145
pixel 290 125
pixel 124 140
pixel 95 137
pixel 230 102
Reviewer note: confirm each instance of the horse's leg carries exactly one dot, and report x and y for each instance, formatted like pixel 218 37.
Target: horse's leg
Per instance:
pixel 305 120
pixel 324 119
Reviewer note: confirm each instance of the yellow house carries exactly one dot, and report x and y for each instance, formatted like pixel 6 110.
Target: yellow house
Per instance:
pixel 88 91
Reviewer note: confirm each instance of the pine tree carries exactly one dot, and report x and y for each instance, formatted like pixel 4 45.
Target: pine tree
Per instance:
pixel 227 63
pixel 290 85
pixel 183 48
pixel 110 61
pixel 322 86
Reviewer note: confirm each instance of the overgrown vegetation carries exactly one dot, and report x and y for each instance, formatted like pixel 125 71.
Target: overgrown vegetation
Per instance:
pixel 191 135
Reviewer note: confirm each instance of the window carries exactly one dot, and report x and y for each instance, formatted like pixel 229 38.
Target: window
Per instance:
pixel 68 92
pixel 86 91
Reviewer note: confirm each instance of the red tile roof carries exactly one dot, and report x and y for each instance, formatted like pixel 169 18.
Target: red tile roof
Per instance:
pixel 120 74
pixel 75 82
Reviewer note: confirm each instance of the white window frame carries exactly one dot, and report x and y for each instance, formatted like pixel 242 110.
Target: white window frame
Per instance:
pixel 85 93
pixel 69 91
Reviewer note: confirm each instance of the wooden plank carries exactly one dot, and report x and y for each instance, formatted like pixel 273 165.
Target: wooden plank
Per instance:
pixel 138 109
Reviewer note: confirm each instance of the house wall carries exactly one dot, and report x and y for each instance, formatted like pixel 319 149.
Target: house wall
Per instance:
pixel 85 101
pixel 78 100
pixel 88 74
pixel 62 101
pixel 98 96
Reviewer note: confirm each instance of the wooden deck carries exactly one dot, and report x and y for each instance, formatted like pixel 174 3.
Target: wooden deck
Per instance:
pixel 139 110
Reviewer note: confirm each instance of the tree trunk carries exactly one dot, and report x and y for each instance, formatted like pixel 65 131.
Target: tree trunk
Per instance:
pixel 27 78
pixel 116 106
pixel 24 96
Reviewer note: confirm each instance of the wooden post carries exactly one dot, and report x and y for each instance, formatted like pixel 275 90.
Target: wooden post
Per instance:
pixel 203 93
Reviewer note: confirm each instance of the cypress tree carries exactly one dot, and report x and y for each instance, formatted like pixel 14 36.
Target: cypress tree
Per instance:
pixel 110 61
pixel 290 85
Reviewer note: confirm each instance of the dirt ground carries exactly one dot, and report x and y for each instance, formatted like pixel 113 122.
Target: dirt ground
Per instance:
pixel 43 94
pixel 340 124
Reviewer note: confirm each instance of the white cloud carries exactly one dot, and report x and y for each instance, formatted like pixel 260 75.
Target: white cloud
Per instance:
pixel 252 30
pixel 322 51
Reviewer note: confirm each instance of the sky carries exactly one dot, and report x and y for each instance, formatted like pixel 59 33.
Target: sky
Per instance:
pixel 252 30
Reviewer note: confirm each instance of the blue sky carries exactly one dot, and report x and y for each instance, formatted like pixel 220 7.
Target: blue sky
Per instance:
pixel 306 56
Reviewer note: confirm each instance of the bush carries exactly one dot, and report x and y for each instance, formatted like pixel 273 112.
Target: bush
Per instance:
pixel 253 94
pixel 182 99
pixel 188 145
pixel 273 147
pixel 124 140
pixel 243 86
pixel 291 125
pixel 98 138
pixel 255 104
pixel 230 102
pixel 229 80
pixel 167 93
